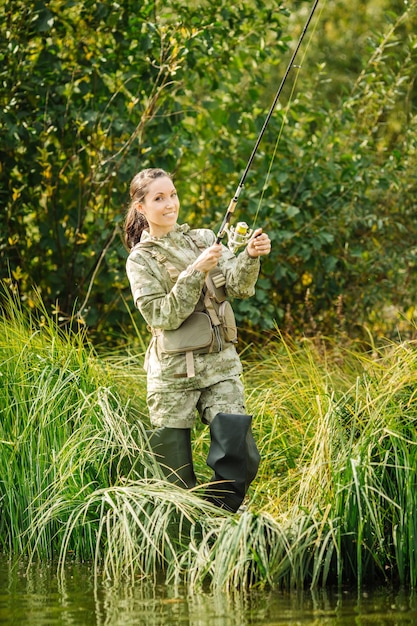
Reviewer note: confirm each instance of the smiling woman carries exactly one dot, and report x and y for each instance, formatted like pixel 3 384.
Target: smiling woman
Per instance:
pixel 181 280
pixel 160 206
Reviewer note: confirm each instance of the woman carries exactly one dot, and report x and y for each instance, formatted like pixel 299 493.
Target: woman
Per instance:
pixel 180 280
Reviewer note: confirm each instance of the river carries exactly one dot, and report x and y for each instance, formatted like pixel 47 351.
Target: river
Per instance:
pixel 36 596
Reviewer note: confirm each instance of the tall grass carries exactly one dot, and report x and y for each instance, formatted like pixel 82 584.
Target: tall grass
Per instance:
pixel 335 499
pixel 348 423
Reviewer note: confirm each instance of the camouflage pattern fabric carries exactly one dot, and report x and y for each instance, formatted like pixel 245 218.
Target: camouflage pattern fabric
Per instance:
pixel 177 409
pixel 165 301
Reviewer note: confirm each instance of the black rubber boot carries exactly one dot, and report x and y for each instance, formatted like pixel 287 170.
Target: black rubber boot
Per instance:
pixel 172 449
pixel 234 457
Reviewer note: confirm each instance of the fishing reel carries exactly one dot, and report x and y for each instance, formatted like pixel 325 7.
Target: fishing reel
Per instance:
pixel 237 236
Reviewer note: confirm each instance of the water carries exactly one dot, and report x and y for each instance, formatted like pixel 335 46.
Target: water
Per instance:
pixel 35 596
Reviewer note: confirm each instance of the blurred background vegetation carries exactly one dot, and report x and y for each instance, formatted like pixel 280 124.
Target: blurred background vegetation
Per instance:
pixel 91 92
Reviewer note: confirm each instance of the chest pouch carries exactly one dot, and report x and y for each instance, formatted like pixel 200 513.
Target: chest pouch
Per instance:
pixel 195 334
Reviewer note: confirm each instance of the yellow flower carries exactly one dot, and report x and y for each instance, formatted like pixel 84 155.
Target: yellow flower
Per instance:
pixel 306 279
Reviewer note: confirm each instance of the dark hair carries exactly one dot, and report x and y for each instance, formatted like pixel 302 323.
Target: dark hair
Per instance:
pixel 135 222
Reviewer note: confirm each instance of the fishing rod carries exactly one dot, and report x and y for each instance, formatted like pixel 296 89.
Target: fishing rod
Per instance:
pixel 240 235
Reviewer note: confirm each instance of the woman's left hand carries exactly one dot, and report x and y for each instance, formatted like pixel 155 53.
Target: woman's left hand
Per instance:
pixel 259 244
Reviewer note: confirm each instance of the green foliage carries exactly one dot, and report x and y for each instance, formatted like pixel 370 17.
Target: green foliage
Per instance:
pixel 339 203
pixel 93 91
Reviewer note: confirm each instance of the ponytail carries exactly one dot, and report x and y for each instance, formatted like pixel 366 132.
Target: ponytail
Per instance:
pixel 135 224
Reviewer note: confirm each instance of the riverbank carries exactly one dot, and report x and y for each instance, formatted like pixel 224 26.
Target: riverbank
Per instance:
pixel 334 501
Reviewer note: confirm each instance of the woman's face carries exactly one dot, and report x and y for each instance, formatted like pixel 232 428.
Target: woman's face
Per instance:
pixel 160 206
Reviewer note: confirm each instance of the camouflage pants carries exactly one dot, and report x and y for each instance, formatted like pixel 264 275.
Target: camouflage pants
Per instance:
pixel 177 409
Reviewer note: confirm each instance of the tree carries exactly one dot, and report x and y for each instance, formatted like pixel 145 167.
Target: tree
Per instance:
pixel 93 91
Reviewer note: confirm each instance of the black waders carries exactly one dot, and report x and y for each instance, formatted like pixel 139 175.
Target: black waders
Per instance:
pixel 234 457
pixel 172 449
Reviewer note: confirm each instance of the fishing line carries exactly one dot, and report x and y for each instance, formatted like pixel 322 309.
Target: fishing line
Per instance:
pixel 240 239
pixel 268 175
pixel 284 121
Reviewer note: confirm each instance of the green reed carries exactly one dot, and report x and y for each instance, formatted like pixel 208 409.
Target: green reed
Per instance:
pixel 334 500
pixel 353 466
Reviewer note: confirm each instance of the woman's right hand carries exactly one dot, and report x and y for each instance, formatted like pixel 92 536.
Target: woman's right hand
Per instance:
pixel 209 258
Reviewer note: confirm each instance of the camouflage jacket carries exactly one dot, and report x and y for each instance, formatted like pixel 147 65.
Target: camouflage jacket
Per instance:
pixel 166 298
